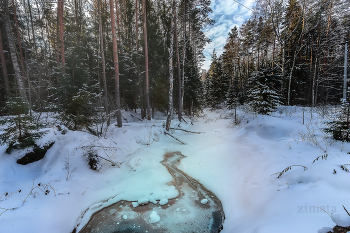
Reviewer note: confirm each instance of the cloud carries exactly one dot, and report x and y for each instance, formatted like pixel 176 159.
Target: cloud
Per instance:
pixel 227 14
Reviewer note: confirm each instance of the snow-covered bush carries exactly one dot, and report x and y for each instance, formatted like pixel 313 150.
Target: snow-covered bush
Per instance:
pixel 93 160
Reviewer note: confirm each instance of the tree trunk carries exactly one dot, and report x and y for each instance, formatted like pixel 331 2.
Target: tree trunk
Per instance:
pixel 117 16
pixel 146 60
pixel 18 38
pixel 58 37
pixel 116 65
pixel 315 74
pixel 61 26
pixel 137 52
pixel 178 67
pixel 183 59
pixel 32 24
pixel 171 78
pixel 103 62
pixel 12 47
pixel 4 69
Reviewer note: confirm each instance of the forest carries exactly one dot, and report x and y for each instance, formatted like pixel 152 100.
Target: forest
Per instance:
pixel 292 51
pixel 87 60
pixel 81 58
pixel 109 123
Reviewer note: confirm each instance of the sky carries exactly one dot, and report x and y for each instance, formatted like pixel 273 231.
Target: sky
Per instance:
pixel 227 14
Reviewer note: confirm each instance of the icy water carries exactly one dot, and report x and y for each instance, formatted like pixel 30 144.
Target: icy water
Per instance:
pixel 196 209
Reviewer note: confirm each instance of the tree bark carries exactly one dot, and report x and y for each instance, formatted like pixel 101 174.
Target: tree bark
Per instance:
pixel 12 47
pixel 183 59
pixel 58 37
pixel 171 78
pixel 116 65
pixel 314 78
pixel 4 69
pixel 32 24
pixel 178 67
pixel 117 16
pixel 61 26
pixel 18 38
pixel 137 51
pixel 103 62
pixel 146 60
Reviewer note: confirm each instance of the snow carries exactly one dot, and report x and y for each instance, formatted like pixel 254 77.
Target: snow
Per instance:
pixel 204 201
pixel 154 217
pixel 342 220
pixel 135 204
pixel 238 163
pixel 163 201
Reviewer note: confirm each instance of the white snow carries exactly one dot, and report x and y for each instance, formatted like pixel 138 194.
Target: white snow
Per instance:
pixel 204 201
pixel 342 220
pixel 163 201
pixel 238 163
pixel 154 217
pixel 135 204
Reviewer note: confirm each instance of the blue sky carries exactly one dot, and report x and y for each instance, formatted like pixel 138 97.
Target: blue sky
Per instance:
pixel 227 14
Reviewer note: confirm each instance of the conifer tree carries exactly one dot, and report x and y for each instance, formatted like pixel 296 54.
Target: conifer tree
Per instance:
pixel 21 131
pixel 263 97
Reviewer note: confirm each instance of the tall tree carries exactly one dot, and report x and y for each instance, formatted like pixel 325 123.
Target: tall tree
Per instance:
pixel 18 37
pixel 116 65
pixel 171 78
pixel 60 9
pixel 4 69
pixel 146 60
pixel 178 66
pixel 19 77
pixel 137 51
pixel 103 61
pixel 32 24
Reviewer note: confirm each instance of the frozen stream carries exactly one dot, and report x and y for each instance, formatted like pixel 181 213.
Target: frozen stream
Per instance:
pixel 196 209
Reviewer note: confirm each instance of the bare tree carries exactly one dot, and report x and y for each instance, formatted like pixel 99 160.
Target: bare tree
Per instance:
pixel 32 24
pixel 146 60
pixel 137 50
pixel 60 9
pixel 4 68
pixel 178 66
pixel 183 56
pixel 116 65
pixel 12 47
pixel 103 61
pixel 171 78
pixel 18 37
pixel 283 37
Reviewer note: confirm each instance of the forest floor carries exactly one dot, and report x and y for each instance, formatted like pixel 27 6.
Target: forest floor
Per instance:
pixel 278 173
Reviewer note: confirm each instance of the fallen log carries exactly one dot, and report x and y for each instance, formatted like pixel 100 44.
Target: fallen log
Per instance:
pixel 183 143
pixel 136 117
pixel 187 130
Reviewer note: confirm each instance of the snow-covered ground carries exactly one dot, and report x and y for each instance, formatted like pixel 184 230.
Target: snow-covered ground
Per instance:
pixel 239 163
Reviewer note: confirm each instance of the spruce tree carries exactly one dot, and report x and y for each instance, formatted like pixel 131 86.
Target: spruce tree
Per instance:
pixel 20 130
pixel 263 97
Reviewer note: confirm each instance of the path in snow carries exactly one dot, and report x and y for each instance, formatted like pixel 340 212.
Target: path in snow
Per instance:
pixel 196 209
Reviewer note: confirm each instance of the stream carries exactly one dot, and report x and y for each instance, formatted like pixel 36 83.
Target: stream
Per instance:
pixel 196 209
